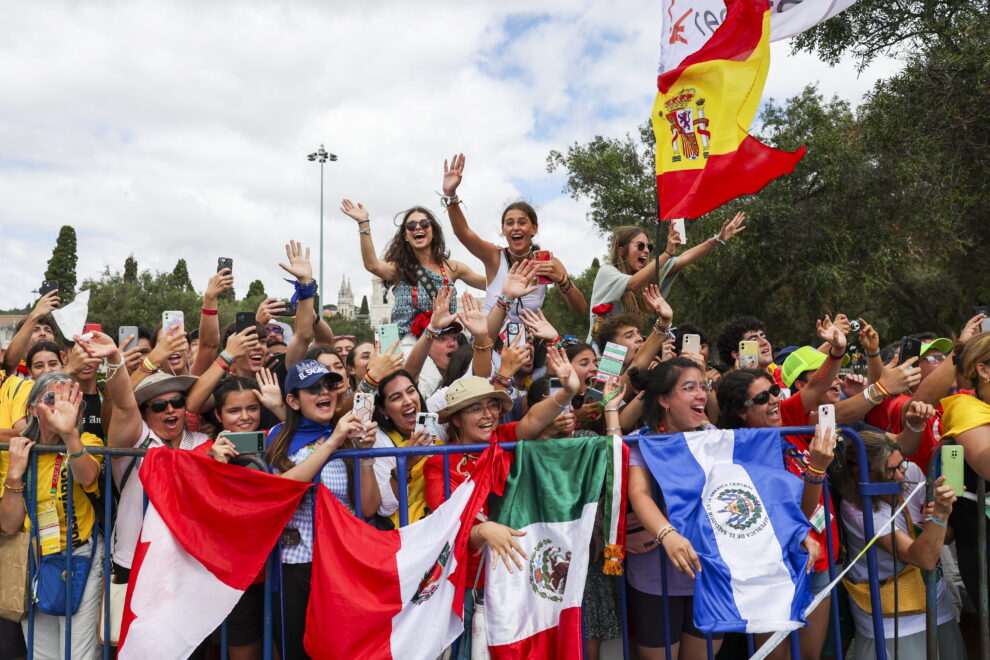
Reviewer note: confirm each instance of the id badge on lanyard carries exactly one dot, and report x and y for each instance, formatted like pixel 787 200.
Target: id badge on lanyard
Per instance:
pixel 49 532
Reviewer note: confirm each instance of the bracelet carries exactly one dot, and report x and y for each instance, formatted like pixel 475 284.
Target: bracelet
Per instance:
pixel 366 387
pixel 361 222
pixel 661 329
pixel 663 532
pixel 873 355
pixel 562 406
pixel 842 355
pixel 813 469
pixel 223 365
pixel 870 395
pixel 566 285
pixel 364 232
pixel 450 200
pixel 613 429
pixel 147 366
pixel 504 301
pixel 226 357
pixel 553 344
pixel 371 381
pixel 485 347
pixel 503 381
pixel 607 400
pixel 937 521
pixel 12 489
pixel 669 254
pixel 882 390
pixel 911 427
pixel 610 410
pixel 814 481
pixel 718 239
pixel 111 369
pixel 433 333
pixel 208 312
pixel 367 462
pixel 78 454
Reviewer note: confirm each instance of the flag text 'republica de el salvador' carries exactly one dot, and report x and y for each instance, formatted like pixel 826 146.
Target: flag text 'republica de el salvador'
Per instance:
pixel 397 593
pixel 706 102
pixel 206 535
pixel 729 494
pixel 552 494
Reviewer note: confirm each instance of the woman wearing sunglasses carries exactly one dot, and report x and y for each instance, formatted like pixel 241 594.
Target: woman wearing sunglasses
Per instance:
pixel 416 263
pixel 618 284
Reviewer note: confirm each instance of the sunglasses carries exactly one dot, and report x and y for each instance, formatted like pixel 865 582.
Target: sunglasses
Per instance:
pixel 417 224
pixel 177 403
pixel 763 397
pixel 933 359
pixel 318 387
pixel 640 245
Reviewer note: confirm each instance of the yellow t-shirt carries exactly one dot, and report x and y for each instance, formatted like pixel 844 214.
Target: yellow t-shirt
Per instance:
pixel 962 412
pixel 13 400
pixel 85 515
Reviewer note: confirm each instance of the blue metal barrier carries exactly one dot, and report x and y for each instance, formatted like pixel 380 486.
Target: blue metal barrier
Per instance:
pixel 401 455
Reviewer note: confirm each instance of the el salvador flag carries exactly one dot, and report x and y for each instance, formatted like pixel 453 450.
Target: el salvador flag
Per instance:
pixel 729 494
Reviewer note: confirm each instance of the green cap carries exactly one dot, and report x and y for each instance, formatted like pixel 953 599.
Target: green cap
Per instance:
pixel 941 345
pixel 804 359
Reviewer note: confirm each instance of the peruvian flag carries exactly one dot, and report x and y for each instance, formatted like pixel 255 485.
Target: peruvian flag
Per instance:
pixel 207 532
pixel 397 593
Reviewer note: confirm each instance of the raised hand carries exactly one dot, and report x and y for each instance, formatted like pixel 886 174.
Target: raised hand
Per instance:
pixel 299 265
pixel 452 174
pixel 560 366
pixel 854 384
pixel 472 316
pixel 945 498
pixel 552 269
pixel 919 412
pixel 971 328
pixel 732 227
pixel 268 310
pixel 48 302
pixel 514 356
pixel 241 343
pixel 98 346
pixel 842 321
pixel 653 298
pixel 538 325
pixel 442 316
pixel 831 333
pixel 674 239
pixel 222 281
pixel 270 394
pixel 356 211
pixel 383 365
pixel 519 280
pixel 63 415
pixel 78 360
pixel 869 338
pixel 898 379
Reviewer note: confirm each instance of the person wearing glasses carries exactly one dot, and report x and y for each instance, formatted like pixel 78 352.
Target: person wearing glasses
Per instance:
pixel 416 264
pixel 920 531
pixel 618 285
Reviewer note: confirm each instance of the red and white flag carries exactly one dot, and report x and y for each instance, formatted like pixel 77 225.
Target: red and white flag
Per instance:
pixel 399 593
pixel 207 532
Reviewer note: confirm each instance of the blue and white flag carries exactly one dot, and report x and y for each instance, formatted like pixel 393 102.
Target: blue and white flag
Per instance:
pixel 729 494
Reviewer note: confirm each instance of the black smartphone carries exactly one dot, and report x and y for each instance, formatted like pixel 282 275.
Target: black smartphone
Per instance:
pixel 243 321
pixel 290 309
pixel 47 286
pixel 981 309
pixel 910 347
pixel 225 262
pixel 248 442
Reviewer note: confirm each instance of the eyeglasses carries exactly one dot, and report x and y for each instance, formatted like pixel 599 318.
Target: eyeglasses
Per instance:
pixel 641 246
pixel 693 386
pixel 318 387
pixel 934 359
pixel 763 397
pixel 900 467
pixel 491 405
pixel 177 403
pixel 412 225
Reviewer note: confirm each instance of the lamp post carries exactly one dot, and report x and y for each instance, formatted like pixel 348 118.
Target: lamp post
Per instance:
pixel 321 155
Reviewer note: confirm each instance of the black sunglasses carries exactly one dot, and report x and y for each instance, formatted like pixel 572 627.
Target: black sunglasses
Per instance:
pixel 763 397
pixel 421 224
pixel 177 403
pixel 640 245
pixel 317 387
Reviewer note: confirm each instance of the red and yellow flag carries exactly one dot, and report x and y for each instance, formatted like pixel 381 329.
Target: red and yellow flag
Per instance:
pixel 702 114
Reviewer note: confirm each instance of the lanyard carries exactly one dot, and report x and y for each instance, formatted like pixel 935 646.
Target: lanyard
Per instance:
pixel 56 474
pixel 415 289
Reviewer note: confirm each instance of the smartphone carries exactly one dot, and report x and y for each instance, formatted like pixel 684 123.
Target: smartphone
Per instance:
pixel 910 347
pixel 386 335
pixel 47 286
pixel 290 309
pixel 429 422
pixel 364 406
pixel 93 327
pixel 679 226
pixel 125 331
pixel 248 442
pixel 543 255
pixel 225 262
pixel 749 355
pixel 981 309
pixel 691 344
pixel 985 325
pixel 243 321
pixel 172 319
pixel 952 467
pixel 826 416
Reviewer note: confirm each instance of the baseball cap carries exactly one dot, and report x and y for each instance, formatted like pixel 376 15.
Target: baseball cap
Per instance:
pixel 941 344
pixel 804 359
pixel 306 373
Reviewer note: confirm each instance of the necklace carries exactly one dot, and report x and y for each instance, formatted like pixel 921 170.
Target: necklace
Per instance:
pixel 520 256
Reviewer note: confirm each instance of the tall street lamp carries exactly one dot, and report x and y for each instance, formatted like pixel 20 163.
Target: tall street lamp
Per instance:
pixel 321 155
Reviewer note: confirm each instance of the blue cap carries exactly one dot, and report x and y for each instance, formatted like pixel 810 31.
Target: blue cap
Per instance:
pixel 306 373
pixel 783 353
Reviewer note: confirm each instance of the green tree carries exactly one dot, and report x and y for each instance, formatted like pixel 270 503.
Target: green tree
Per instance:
pixel 363 310
pixel 180 276
pixel 560 314
pixel 62 264
pixel 256 289
pixel 130 269
pixel 345 326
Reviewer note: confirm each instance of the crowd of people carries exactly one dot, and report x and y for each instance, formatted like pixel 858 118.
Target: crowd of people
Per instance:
pixel 494 367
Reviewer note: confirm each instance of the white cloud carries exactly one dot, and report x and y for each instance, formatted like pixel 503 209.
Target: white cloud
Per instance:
pixel 179 129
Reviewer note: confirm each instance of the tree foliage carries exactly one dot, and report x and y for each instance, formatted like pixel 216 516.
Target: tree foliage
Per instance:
pixel 360 328
pixel 180 276
pixel 62 264
pixel 560 314
pixel 130 269
pixel 256 289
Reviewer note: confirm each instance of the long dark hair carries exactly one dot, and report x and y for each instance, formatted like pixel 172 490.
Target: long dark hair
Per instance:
pixel 228 386
pixel 384 422
pixel 656 382
pixel 400 252
pixel 733 392
pixel 879 448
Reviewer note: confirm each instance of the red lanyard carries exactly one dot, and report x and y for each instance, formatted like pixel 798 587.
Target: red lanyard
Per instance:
pixel 56 474
pixel 415 289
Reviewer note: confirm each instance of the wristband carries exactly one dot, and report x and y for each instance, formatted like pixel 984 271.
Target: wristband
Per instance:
pixel 303 291
pixel 613 429
pixel 78 454
pixel 873 355
pixel 562 406
pixel 552 344
pixel 911 427
pixel 485 347
pixel 882 390
pixel 663 532
pixel 371 381
pixel 12 489
pixel 608 399
pixel 450 200
pixel 504 301
pixel 813 470
pixel 147 366
pixel 223 365
pixel 937 521
pixel 718 239
pixel 366 387
pixel 834 357
pixel 226 357
pixel 364 232
pixel 813 480
pixel 504 381
pixel 208 312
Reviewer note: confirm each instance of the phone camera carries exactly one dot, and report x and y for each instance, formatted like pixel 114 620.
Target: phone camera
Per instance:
pixel 855 325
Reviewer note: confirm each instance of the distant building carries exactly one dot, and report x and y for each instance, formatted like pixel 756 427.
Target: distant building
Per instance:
pixel 345 299
pixel 7 324
pixel 379 311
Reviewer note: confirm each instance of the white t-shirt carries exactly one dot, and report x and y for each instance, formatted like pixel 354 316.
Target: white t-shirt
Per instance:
pixel 610 285
pixel 130 509
pixel 852 518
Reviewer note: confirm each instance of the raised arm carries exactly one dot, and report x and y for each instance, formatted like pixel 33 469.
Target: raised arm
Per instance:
pixel 209 321
pixel 372 263
pixel 199 399
pixel 821 451
pixel 517 283
pixel 301 268
pixel 169 344
pixel 440 319
pixel 541 414
pixel 487 252
pixel 472 317
pixel 19 347
pixel 869 341
pixel 822 379
pixel 661 328
pixel 895 379
pixel 555 270
pixel 729 229
pixel 124 429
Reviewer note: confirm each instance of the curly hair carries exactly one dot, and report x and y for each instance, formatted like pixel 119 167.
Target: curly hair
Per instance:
pixel 609 328
pixel 400 252
pixel 732 332
pixel 733 392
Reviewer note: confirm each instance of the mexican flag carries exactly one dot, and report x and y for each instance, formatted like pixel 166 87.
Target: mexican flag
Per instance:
pixel 553 495
pixel 396 593
pixel 207 532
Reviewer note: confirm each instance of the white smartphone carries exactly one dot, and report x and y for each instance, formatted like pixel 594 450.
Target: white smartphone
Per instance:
pixel 826 416
pixel 749 355
pixel 364 406
pixel 985 325
pixel 691 344
pixel 679 226
pixel 429 422
pixel 172 319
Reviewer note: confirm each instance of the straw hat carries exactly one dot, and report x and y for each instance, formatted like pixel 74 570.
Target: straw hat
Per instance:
pixel 469 389
pixel 158 383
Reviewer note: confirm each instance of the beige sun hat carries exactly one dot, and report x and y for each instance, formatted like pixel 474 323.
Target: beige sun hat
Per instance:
pixel 469 389
pixel 160 383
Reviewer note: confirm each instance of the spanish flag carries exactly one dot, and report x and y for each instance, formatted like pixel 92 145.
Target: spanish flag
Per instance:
pixel 702 113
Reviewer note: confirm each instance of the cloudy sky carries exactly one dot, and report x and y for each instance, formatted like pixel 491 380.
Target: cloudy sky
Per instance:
pixel 168 129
